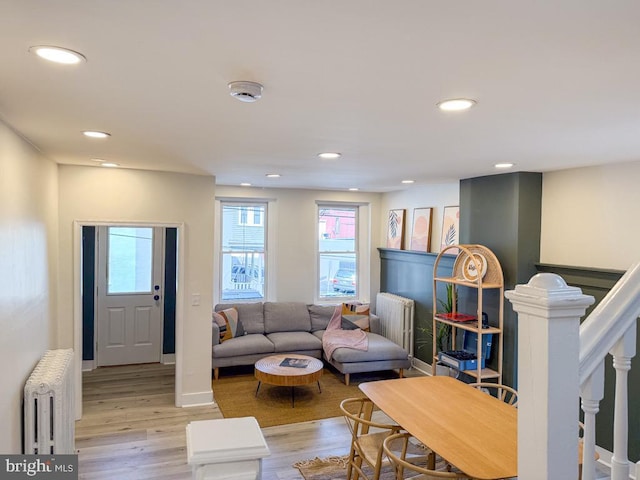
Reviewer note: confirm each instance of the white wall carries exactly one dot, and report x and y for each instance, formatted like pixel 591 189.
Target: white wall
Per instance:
pixel 28 272
pixel 293 243
pixel 436 196
pixel 96 194
pixel 590 216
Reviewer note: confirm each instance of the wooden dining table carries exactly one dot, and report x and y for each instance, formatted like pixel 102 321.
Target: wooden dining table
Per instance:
pixel 468 428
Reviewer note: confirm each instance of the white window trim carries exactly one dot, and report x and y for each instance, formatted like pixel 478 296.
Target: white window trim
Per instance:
pixel 270 239
pixel 362 246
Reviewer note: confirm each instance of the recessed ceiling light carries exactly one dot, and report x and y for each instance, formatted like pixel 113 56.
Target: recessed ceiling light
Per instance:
pixel 272 175
pixel 408 181
pixel 456 104
pixel 95 134
pixel 245 184
pixel 354 189
pixel 58 54
pixel 330 155
pixel 99 160
pixel 110 164
pixel 503 165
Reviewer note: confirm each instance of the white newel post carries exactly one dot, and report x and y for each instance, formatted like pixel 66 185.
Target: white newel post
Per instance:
pixel 549 315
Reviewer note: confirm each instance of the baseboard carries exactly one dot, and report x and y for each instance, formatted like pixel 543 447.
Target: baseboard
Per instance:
pixel 198 399
pixel 88 365
pixel 168 359
pixel 605 462
pixel 421 366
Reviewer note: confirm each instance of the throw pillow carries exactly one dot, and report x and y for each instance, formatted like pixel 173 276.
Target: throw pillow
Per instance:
pixel 233 324
pixel 355 316
pixel 222 324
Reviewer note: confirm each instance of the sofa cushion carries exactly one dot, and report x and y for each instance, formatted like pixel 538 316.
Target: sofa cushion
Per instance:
pixel 320 316
pixel 250 314
pixel 286 317
pixel 245 345
pixel 294 341
pixel 380 348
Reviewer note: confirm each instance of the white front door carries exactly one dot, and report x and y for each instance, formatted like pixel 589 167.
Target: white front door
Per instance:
pixel 129 326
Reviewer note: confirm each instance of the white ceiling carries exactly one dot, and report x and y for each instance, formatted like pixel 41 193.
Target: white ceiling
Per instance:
pixel 557 85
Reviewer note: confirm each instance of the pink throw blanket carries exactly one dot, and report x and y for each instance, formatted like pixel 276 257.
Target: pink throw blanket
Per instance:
pixel 335 337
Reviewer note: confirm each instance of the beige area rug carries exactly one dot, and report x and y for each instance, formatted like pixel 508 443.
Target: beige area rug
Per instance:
pixel 235 394
pixel 335 468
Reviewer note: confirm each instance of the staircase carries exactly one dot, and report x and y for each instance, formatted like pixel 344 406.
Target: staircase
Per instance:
pixel 561 362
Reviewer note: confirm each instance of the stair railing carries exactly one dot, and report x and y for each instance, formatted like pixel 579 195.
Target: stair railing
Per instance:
pixel 559 361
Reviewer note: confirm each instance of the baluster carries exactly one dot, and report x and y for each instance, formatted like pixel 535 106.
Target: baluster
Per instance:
pixel 623 351
pixel 592 392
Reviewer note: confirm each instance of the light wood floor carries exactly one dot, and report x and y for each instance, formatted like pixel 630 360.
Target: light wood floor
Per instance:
pixel 130 430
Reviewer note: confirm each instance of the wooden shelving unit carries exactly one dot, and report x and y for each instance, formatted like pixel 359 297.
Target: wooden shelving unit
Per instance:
pixel 470 260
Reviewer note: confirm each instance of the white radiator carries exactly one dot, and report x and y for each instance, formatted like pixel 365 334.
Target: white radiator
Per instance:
pixel 396 319
pixel 49 406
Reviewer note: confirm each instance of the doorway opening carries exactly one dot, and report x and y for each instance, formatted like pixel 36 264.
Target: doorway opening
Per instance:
pixel 125 309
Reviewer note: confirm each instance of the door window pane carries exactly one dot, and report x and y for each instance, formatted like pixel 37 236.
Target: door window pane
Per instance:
pixel 130 260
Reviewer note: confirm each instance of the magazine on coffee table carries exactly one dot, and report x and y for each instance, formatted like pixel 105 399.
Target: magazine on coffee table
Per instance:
pixel 294 362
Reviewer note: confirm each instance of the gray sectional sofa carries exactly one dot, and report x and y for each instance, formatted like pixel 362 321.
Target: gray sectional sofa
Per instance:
pixel 295 327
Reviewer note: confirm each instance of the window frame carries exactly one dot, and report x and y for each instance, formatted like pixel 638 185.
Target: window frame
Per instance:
pixel 250 211
pixel 328 205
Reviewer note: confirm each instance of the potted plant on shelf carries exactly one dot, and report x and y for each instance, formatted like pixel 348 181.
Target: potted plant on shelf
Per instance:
pixel 443 335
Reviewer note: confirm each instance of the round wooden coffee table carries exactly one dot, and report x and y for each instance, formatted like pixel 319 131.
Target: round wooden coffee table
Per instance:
pixel 288 370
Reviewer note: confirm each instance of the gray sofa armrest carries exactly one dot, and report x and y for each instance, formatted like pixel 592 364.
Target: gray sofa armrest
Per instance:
pixel 374 323
pixel 215 334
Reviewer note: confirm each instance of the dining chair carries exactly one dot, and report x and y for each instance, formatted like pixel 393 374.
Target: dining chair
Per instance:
pixel 503 392
pixel 367 437
pixel 395 447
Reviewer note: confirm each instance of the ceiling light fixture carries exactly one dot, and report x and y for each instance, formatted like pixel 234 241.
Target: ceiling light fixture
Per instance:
pixel 95 134
pixel 248 92
pixel 272 175
pixel 110 164
pixel 354 189
pixel 408 181
pixel 456 104
pixel 58 54
pixel 329 155
pixel 503 165
pixel 245 184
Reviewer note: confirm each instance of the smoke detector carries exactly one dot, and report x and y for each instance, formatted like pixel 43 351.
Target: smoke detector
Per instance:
pixel 246 91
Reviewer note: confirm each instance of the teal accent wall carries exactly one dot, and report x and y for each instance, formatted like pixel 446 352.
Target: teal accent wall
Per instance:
pixel 410 274
pixel 503 213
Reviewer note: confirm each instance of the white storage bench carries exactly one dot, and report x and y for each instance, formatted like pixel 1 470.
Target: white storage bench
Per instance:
pixel 229 448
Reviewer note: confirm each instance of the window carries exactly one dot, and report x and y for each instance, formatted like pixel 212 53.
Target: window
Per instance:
pixel 337 251
pixel 243 251
pixel 130 260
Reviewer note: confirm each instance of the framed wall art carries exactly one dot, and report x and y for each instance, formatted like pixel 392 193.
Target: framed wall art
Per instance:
pixel 450 226
pixel 421 230
pixel 395 229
